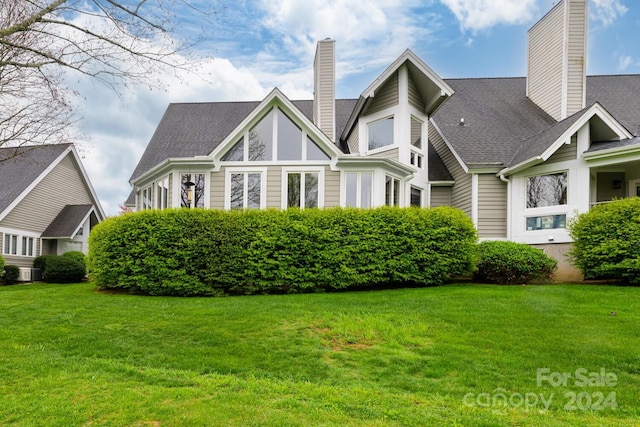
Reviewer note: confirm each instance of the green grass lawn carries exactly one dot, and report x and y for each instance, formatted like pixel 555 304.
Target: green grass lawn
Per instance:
pixel 70 356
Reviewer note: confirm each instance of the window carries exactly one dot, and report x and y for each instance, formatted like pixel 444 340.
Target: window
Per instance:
pixel 314 152
pixel 380 133
pixel 147 197
pixel 546 222
pixel 10 246
pixel 245 190
pixel 416 197
pixel 392 191
pixel 162 194
pixel 416 159
pixel 192 190
pixel 359 188
pixel 261 140
pixel 236 153
pixel 303 189
pixel 27 246
pixel 547 190
pixel 289 138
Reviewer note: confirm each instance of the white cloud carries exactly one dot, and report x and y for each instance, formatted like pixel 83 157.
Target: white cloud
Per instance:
pixel 607 11
pixel 624 62
pixel 477 15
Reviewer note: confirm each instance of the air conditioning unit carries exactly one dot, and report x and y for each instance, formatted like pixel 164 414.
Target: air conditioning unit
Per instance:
pixel 25 275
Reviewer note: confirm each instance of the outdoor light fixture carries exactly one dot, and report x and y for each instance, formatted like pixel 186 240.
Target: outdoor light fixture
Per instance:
pixel 189 186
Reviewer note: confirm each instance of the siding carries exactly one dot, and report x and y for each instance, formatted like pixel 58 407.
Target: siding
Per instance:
pixel 354 141
pixel 440 196
pixel 564 153
pixel 545 62
pixel 64 185
pixel 324 90
pixel 390 154
pixel 274 187
pixel 331 188
pixel 461 191
pixel 386 96
pixel 415 100
pixel 492 207
pixel 216 194
pixel 576 56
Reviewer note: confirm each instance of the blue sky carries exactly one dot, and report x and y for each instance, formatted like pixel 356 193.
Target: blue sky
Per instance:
pixel 249 47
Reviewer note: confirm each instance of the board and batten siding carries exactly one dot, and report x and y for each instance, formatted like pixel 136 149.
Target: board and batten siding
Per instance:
pixel 63 185
pixel 545 62
pixel 440 196
pixel 576 45
pixel 385 97
pixel 492 207
pixel 461 190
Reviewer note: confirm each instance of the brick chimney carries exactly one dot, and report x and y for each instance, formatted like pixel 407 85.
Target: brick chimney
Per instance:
pixel 557 59
pixel 324 88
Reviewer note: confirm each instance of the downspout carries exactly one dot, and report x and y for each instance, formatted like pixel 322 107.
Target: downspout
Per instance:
pixel 508 182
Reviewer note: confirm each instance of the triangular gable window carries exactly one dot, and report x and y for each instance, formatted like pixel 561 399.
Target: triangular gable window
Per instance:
pixel 291 143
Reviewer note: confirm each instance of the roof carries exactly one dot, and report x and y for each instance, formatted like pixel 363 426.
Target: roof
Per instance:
pixel 196 129
pixel 67 222
pixel 20 166
pixel 437 169
pixel 502 125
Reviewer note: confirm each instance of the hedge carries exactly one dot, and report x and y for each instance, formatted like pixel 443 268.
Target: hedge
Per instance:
pixel 210 252
pixel 606 241
pixel 2 263
pixel 508 263
pixel 70 267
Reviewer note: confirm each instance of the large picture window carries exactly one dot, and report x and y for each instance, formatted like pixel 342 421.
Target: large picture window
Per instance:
pixel 192 190
pixel 358 189
pixel 303 189
pixel 547 190
pixel 245 190
pixel 380 133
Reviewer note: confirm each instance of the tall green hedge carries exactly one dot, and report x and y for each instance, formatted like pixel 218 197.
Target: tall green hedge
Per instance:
pixel 606 241
pixel 209 252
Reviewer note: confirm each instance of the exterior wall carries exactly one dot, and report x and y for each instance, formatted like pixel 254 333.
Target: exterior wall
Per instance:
pixel 565 272
pixel 564 153
pixel 576 51
pixel 461 191
pixel 440 196
pixel 415 99
pixel 492 207
pixel 354 141
pixel 217 189
pixel 604 186
pixel 324 88
pixel 390 154
pixel 331 188
pixel 545 62
pixel 387 96
pixel 274 187
pixel 64 185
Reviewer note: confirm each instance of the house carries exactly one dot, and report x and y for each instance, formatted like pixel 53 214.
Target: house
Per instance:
pixel 520 156
pixel 47 204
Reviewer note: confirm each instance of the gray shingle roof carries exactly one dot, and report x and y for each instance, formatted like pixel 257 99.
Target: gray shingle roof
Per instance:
pixel 437 169
pixel 196 129
pixel 19 167
pixel 620 96
pixel 67 221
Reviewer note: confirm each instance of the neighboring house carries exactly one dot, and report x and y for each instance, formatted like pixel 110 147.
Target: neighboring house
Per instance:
pixel 520 156
pixel 47 204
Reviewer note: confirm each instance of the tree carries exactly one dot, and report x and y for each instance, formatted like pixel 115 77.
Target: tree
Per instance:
pixel 115 42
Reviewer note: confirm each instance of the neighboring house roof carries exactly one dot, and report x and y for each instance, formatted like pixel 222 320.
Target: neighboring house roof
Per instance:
pixel 21 166
pixel 196 129
pixel 68 221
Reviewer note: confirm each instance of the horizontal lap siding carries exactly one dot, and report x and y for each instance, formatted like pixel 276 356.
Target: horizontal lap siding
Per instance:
pixel 385 97
pixel 354 141
pixel 564 153
pixel 440 196
pixel 461 191
pixel 389 154
pixel 576 54
pixel 415 100
pixel 217 189
pixel 274 187
pixel 64 185
pixel 331 188
pixel 492 207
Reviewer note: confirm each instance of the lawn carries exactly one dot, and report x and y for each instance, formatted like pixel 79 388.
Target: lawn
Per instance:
pixel 70 356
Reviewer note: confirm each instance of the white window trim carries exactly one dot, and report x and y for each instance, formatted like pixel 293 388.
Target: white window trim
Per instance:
pixel 380 115
pixel 177 190
pixel 245 170
pixel 400 189
pixel 343 187
pixel 302 170
pixel 20 234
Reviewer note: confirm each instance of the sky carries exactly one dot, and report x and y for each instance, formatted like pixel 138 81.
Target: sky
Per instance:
pixel 251 46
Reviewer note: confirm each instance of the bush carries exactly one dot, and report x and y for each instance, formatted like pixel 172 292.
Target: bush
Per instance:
pixel 512 263
pixel 41 263
pixel 65 269
pixel 2 263
pixel 206 252
pixel 11 274
pixel 606 241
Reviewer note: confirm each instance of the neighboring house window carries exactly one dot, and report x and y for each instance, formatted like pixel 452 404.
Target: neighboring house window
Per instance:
pixel 380 133
pixel 291 143
pixel 162 194
pixel 10 246
pixel 392 191
pixel 303 189
pixel 358 189
pixel 416 197
pixel 192 190
pixel 547 190
pixel 245 190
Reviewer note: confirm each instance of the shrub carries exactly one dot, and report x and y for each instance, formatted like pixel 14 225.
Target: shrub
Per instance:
pixel 606 241
pixel 512 263
pixel 41 263
pixel 11 274
pixel 2 263
pixel 65 269
pixel 207 252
